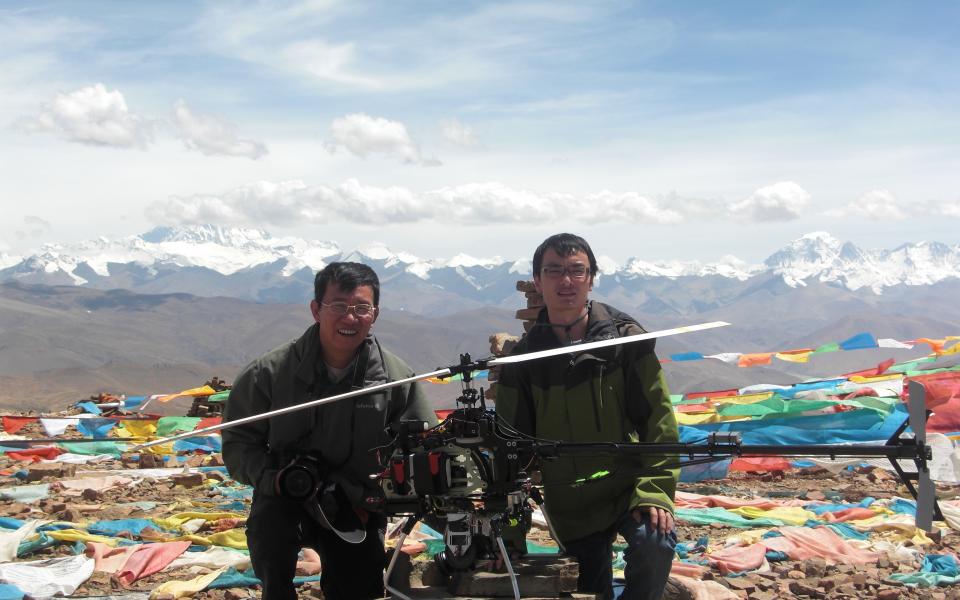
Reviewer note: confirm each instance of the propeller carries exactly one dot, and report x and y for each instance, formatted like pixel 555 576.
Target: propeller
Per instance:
pixel 927 493
pixel 440 373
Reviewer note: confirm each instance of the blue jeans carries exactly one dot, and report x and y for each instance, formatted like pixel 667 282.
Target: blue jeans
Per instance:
pixel 649 555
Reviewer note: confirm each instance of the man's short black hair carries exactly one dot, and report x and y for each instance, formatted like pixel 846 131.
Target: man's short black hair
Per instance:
pixel 564 244
pixel 348 276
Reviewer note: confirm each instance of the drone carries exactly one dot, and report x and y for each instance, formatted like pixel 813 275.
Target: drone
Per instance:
pixel 477 475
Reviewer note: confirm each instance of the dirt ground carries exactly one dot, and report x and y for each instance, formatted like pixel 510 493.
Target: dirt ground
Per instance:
pixel 786 579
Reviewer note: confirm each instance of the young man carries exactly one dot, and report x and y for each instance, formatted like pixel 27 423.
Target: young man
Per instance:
pixel 336 441
pixel 615 394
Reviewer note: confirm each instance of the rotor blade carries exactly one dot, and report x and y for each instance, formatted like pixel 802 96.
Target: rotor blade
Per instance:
pixel 926 490
pixel 294 408
pixel 918 410
pixel 926 499
pixel 604 343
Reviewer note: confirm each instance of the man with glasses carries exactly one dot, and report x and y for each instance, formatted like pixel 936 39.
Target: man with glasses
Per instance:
pixel 614 394
pixel 332 447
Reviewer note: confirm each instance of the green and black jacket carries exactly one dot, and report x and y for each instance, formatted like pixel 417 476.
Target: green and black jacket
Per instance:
pixel 343 435
pixel 614 394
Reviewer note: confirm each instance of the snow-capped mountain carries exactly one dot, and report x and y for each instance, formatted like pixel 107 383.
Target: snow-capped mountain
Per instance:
pixel 821 257
pixel 8 260
pixel 252 264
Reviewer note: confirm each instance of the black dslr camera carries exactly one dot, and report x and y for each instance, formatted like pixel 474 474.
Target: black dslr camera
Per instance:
pixel 302 478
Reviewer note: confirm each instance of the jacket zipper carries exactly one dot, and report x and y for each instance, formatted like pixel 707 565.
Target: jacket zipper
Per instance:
pixel 598 378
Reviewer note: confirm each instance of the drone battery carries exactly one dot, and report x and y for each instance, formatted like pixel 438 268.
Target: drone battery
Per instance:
pixel 398 475
pixel 430 472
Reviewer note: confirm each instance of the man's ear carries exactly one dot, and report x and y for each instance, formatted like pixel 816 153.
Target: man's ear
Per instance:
pixel 376 313
pixel 590 285
pixel 315 310
pixel 536 284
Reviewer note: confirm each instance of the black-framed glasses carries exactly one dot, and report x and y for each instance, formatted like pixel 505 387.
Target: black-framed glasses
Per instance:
pixel 363 311
pixel 577 272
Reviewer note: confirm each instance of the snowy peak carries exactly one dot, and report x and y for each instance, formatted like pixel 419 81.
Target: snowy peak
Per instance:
pixel 229 252
pixel 809 252
pixel 208 234
pixel 728 266
pixel 819 256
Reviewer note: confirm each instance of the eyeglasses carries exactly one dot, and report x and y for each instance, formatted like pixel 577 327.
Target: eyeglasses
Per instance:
pixel 577 272
pixel 363 311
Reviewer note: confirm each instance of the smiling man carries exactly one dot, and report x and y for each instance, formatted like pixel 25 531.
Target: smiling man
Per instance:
pixel 615 394
pixel 311 469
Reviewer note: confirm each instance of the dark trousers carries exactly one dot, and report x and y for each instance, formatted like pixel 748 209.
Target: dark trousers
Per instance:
pixel 649 555
pixel 278 528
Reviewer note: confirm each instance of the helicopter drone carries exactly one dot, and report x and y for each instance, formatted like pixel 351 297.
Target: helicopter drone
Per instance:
pixel 477 475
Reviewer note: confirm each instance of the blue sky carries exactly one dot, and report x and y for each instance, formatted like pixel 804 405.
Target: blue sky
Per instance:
pixel 660 130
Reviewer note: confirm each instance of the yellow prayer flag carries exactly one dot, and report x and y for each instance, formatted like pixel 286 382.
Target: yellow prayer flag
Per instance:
pixel 199 391
pixel 795 356
pixel 185 589
pixel 142 429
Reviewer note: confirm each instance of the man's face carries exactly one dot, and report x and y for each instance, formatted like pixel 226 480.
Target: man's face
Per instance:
pixel 557 281
pixel 342 334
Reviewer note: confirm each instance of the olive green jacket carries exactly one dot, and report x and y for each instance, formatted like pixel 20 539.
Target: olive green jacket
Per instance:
pixel 343 434
pixel 613 394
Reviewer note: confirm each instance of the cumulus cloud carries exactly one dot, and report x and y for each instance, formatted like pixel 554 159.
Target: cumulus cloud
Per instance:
pixel 212 135
pixel 293 202
pixel 458 133
pixel 91 115
pixel 876 205
pixel 628 207
pixel 783 201
pixel 946 209
pixel 33 227
pixel 363 136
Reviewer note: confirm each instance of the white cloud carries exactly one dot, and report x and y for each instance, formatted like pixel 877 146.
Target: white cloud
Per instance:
pixel 783 201
pixel 364 136
pixel 293 202
pixel 948 209
pixel 492 203
pixel 458 133
pixel 630 207
pixel 91 115
pixel 212 135
pixel 876 205
pixel 34 227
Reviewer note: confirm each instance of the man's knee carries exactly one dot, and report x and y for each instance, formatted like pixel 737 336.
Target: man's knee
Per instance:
pixel 644 540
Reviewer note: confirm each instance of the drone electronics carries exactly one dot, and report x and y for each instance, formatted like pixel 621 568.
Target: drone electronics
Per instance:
pixel 477 475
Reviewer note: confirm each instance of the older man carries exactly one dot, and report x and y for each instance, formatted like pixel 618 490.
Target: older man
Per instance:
pixel 335 442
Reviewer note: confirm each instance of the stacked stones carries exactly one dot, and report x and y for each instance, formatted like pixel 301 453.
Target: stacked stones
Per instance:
pixel 502 343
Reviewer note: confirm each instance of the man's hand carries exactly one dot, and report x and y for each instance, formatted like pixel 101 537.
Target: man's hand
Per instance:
pixel 661 520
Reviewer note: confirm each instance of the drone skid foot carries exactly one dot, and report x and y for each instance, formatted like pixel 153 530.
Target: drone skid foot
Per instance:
pixel 538 576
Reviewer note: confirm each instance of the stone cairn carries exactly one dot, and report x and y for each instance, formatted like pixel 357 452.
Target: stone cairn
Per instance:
pixel 502 343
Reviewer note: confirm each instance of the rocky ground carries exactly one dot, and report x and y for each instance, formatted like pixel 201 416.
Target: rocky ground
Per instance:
pixel 812 578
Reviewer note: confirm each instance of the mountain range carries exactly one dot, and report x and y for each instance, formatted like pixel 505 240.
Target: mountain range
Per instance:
pixel 250 264
pixel 167 309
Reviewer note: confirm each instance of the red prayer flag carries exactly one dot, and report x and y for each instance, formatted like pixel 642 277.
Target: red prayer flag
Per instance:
pixel 35 454
pixel 14 424
pixel 208 422
pixel 943 398
pixel 713 394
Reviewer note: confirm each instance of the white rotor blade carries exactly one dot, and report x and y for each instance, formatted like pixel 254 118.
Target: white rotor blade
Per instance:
pixel 295 407
pixel 604 343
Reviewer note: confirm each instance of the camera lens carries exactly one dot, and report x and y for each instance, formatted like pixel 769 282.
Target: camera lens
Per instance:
pixel 297 482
